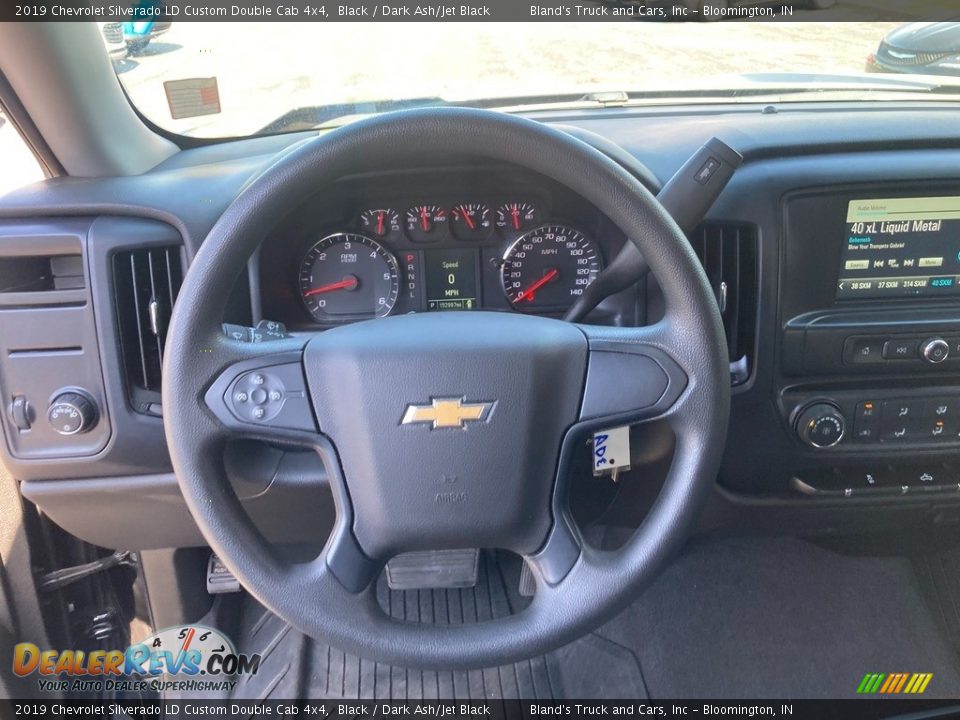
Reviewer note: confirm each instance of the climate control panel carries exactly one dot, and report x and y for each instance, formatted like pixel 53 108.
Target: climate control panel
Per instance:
pixel 858 420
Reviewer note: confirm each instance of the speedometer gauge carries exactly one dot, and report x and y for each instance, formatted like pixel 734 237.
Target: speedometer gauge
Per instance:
pixel 548 268
pixel 347 276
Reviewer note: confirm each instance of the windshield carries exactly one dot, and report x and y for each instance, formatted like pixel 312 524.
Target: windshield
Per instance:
pixel 231 79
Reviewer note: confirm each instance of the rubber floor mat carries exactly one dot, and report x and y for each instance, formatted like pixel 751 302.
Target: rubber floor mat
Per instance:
pixel 295 666
pixel 939 577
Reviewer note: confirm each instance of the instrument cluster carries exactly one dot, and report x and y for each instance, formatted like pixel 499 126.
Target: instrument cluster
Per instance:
pixel 390 258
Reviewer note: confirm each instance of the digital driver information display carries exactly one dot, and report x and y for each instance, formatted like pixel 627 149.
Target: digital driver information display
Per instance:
pixel 901 247
pixel 451 279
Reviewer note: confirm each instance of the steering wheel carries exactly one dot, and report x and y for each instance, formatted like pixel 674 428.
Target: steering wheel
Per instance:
pixel 445 430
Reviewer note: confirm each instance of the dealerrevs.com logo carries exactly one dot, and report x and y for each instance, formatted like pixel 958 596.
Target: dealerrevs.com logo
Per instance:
pixel 186 658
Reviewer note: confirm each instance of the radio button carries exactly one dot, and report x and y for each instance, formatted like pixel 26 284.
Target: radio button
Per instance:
pixel 935 350
pixel 865 350
pixel 900 350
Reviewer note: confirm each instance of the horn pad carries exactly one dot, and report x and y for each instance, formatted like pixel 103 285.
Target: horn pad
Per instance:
pixel 448 425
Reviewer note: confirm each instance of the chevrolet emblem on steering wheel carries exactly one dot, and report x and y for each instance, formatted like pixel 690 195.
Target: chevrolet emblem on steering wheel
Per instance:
pixel 447 413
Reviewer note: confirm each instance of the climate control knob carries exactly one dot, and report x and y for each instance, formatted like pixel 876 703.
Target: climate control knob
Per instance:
pixel 72 413
pixel 821 425
pixel 934 350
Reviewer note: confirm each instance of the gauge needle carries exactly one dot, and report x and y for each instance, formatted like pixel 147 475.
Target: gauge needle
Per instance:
pixel 380 222
pixel 467 219
pixel 515 212
pixel 348 283
pixel 528 293
pixel 423 220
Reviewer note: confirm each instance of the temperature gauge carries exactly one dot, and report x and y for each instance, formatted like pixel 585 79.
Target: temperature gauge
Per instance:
pixel 423 222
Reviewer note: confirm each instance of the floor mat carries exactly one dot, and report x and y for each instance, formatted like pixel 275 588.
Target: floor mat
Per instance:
pixel 782 618
pixel 731 618
pixel 293 666
pixel 939 576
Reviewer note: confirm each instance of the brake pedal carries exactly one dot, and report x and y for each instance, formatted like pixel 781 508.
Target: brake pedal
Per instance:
pixel 528 584
pixel 433 569
pixel 219 578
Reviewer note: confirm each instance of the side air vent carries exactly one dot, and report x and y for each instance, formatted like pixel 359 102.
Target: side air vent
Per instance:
pixel 146 282
pixel 728 254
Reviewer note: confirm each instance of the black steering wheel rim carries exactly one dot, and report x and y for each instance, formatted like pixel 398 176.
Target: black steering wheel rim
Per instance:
pixel 593 585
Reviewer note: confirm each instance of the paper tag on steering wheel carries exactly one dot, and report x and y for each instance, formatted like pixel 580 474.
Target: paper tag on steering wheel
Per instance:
pixel 611 451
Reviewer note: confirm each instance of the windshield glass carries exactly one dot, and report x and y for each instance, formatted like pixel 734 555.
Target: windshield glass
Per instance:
pixel 215 80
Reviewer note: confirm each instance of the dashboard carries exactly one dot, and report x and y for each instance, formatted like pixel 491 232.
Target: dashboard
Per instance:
pixel 472 238
pixel 833 253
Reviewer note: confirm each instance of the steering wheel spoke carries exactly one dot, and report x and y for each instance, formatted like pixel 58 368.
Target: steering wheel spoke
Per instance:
pixel 559 554
pixel 260 391
pixel 632 375
pixel 341 563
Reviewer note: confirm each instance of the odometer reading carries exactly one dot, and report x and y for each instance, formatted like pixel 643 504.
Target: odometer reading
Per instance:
pixel 548 268
pixel 347 276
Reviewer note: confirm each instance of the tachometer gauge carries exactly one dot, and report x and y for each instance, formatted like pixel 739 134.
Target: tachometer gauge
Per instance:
pixel 422 222
pixel 380 221
pixel 516 216
pixel 347 276
pixel 548 268
pixel 471 221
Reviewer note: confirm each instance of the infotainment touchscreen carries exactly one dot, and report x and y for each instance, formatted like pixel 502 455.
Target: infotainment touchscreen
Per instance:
pixel 901 247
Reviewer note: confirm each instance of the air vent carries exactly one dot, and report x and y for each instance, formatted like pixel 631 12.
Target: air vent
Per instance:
pixel 728 254
pixel 146 282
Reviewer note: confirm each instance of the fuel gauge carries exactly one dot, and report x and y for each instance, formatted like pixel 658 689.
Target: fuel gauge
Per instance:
pixel 471 221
